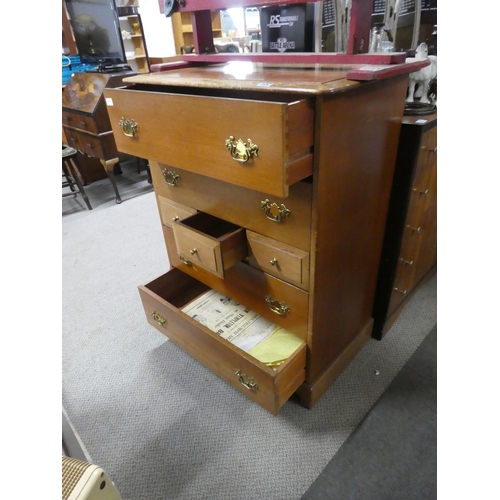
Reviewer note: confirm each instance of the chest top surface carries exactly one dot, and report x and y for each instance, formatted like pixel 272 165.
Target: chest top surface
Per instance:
pixel 244 75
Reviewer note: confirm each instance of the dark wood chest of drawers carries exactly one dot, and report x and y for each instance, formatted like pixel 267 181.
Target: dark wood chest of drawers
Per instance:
pixel 85 118
pixel 409 254
pixel 290 169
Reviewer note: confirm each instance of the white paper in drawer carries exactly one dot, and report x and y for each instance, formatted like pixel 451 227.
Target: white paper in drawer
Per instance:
pixel 229 319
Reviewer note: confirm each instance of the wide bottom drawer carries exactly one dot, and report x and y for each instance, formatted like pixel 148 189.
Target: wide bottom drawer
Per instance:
pixel 163 299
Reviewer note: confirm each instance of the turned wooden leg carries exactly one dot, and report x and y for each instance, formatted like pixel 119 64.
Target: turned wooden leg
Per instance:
pixel 109 166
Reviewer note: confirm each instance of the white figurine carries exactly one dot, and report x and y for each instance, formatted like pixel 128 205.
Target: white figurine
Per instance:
pixel 422 77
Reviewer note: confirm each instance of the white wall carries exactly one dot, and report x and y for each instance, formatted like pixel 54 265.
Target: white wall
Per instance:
pixel 157 29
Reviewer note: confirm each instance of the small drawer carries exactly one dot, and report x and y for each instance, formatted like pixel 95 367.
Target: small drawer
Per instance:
pixel 170 211
pixel 163 299
pixel 91 145
pixel 254 143
pixel 78 121
pixel 209 242
pixel 238 205
pixel 276 258
pixel 72 138
pixel 274 299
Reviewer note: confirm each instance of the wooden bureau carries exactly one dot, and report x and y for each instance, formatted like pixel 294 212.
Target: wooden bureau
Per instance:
pixel 409 255
pixel 289 170
pixel 85 119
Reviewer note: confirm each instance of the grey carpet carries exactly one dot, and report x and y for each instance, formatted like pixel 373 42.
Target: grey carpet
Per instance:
pixel 161 424
pixel 392 454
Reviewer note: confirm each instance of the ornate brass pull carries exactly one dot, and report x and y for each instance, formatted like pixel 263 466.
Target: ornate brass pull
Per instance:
pixel 246 381
pixel 400 291
pixel 416 229
pixel 273 261
pixel 159 318
pixel 172 178
pixel 240 151
pixel 276 306
pixel 130 127
pixel 184 261
pixel 175 219
pixel 193 251
pixel 273 211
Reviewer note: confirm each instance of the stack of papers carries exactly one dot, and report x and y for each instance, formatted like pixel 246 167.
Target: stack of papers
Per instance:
pixel 269 343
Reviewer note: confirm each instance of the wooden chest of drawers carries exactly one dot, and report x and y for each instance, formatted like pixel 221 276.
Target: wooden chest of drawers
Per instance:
pixel 409 255
pixel 290 169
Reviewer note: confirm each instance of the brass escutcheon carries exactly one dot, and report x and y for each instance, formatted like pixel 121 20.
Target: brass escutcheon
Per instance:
pixel 246 381
pixel 240 151
pixel 159 318
pixel 130 127
pixel 276 306
pixel 172 178
pixel 273 211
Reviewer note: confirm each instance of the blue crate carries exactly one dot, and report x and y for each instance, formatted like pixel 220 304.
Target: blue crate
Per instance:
pixel 73 64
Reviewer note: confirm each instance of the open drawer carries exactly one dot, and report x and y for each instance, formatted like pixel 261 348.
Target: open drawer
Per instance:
pixel 259 144
pixel 163 299
pixel 212 243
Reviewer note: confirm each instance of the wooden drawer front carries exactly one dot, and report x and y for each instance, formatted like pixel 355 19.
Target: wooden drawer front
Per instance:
pixel 251 287
pixel 209 242
pixel 82 122
pixel 91 145
pixel 281 260
pixel 190 132
pixel 239 205
pixel 72 138
pixel 170 211
pixel 401 286
pixel 100 146
pixel 162 300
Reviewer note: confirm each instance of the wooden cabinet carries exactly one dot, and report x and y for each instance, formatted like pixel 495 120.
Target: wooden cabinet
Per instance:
pixel 409 254
pixel 85 119
pixel 183 29
pixel 134 41
pixel 284 174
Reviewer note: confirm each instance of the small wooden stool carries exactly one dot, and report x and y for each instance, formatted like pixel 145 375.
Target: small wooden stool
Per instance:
pixel 71 174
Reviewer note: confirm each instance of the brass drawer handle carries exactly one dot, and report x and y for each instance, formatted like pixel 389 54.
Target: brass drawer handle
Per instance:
pixel 193 251
pixel 175 219
pixel 172 178
pixel 246 381
pixel 400 291
pixel 129 127
pixel 425 193
pixel 184 261
pixel 239 151
pixel 159 318
pixel 408 263
pixel 280 308
pixel 273 211
pixel 273 261
pixel 416 229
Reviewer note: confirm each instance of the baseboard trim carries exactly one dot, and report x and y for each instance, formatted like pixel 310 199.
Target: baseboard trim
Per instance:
pixel 309 394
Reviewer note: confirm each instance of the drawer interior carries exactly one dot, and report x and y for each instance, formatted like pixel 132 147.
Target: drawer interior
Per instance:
pixel 179 291
pixel 216 92
pixel 209 225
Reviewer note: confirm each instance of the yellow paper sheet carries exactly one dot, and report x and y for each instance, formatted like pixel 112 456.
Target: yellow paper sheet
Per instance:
pixel 277 348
